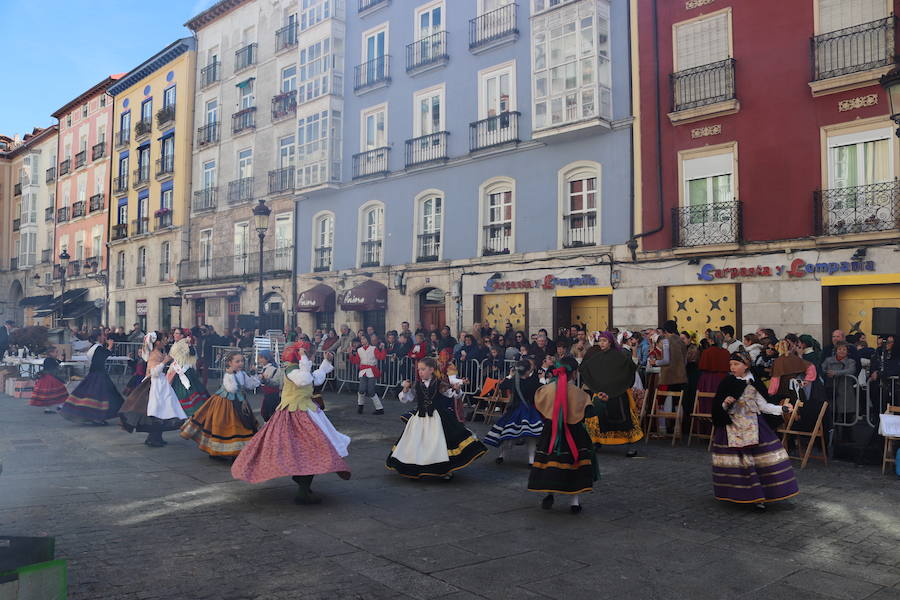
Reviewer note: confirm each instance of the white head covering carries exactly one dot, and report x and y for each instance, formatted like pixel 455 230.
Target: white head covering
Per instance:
pixel 149 340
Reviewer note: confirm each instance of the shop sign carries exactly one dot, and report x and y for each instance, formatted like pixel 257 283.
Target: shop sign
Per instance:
pixel 141 307
pixel 797 269
pixel 549 282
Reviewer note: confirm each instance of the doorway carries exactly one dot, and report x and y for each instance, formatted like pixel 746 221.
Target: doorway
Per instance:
pixel 432 309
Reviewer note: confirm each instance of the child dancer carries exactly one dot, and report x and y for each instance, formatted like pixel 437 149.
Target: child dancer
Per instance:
pixel 225 423
pixel 522 420
pixel 187 385
pixel 49 389
pixel 272 379
pixel 367 358
pixel 434 443
pixel 96 398
pixel 563 463
pixel 298 441
pixel 140 373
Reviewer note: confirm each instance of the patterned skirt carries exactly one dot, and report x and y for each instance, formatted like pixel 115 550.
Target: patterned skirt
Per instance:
pixel 434 446
pixel 617 421
pixel 752 474
pixel 48 391
pixel 95 399
pixel 191 398
pixel 522 422
pixel 292 443
pixel 560 472
pixel 134 417
pixel 217 428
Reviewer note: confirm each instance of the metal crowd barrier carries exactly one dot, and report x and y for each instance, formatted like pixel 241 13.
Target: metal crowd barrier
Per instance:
pixel 130 349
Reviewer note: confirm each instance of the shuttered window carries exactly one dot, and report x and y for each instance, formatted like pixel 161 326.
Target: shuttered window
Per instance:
pixel 840 14
pixel 701 42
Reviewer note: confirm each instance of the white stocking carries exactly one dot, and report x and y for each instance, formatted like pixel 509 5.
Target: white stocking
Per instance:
pixel 377 402
pixel 532 445
pixel 573 500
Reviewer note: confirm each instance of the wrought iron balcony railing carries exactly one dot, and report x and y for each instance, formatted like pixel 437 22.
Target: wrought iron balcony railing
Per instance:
pixel 141 175
pixel 427 149
pixel 165 165
pixel 493 27
pixel 284 105
pixel 580 229
pixel 244 57
pixel 365 5
pixel 64 166
pixel 246 265
pixel 371 162
pixel 281 180
pixel 428 247
pixel 209 74
pixel 208 134
pixel 243 120
pixel 62 214
pixel 428 51
pixel 286 37
pixel 372 73
pixel 142 128
pixel 80 159
pixel 206 199
pixel 322 259
pixel 120 231
pixel 98 150
pixel 165 115
pixel 51 175
pixel 706 224
pixel 497 239
pixel 164 219
pixel 123 137
pixel 703 85
pixel 17 189
pixel 140 226
pixel 77 210
pixel 48 214
pixel 859 209
pixel 240 190
pixel 96 202
pixel 854 49
pixel 494 131
pixel 120 183
pixel 371 253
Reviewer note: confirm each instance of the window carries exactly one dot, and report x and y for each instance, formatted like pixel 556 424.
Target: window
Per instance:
pixel 209 175
pixel 841 14
pixel 169 97
pixel 708 196
pixel 497 216
pixel 122 212
pixel 314 70
pixel 859 159
pixel 374 128
pixel 167 153
pixel 165 202
pixel 97 242
pixel 241 247
pixel 84 111
pixel 428 115
pixel 429 20
pixel 486 6
pixel 144 163
pixel 496 91
pixel 314 12
pixel 323 236
pixel 120 274
pixel 372 235
pixel 702 42
pixel 164 260
pixel 245 163
pixel 375 44
pixel 289 79
pixel 69 120
pixel 147 110
pixel 82 189
pixel 205 254
pixel 141 275
pixel 212 112
pixel 313 153
pixel 101 134
pixel 286 150
pixel 579 194
pixel 103 100
pixel 430 213
pixel 79 246
pixel 82 143
pixel 284 241
pixel 248 99
pixel 570 64
pixel 125 125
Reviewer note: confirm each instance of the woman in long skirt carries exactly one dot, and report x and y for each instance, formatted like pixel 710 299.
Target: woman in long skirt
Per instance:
pixel 749 464
pixel 298 441
pixel 434 442
pixel 49 389
pixel 521 421
pixel 96 398
pixel 187 385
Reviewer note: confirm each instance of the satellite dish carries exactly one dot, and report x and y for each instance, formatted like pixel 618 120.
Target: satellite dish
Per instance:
pixel 99 303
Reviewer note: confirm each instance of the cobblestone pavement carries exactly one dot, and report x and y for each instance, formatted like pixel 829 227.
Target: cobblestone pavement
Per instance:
pixel 139 523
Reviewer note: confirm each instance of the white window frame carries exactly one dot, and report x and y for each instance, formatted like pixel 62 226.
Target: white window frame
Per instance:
pixel 818 20
pixel 364 47
pixel 283 247
pixel 430 92
pixel 493 186
pixel 247 100
pixel 859 137
pixel 317 243
pixel 207 167
pixel 429 7
pixel 241 259
pixel 418 213
pixel 244 163
pixel 495 71
pixel 483 11
pixel 363 129
pixel 212 111
pixel 362 226
pixel 582 169
pixel 204 240
pixel 165 258
pixel 293 79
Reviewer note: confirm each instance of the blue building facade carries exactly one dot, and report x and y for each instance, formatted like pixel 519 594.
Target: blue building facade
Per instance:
pixel 472 147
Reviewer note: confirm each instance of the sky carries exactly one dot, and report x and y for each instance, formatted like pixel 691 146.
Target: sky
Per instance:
pixel 56 49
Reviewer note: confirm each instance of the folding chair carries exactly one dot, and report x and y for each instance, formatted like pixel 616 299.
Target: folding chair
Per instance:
pixel 701 417
pixel 486 399
pixel 889 440
pixel 657 413
pixel 817 433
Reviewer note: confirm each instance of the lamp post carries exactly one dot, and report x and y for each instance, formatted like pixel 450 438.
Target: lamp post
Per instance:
pixel 261 214
pixel 64 267
pixel 890 81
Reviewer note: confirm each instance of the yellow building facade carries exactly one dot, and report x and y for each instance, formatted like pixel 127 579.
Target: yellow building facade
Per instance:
pixel 150 192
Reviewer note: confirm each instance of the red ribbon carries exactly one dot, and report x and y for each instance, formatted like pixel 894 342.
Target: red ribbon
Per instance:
pixel 559 408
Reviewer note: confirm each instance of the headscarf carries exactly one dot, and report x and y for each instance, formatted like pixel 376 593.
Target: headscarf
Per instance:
pixel 610 336
pixel 610 372
pixel 560 404
pixel 741 356
pixel 267 354
pixel 149 341
pixel 811 342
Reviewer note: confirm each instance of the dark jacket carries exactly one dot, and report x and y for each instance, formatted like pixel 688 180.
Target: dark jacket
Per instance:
pixel 734 387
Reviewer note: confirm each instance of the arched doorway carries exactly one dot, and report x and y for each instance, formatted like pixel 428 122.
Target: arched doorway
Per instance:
pixel 273 312
pixel 14 310
pixel 432 309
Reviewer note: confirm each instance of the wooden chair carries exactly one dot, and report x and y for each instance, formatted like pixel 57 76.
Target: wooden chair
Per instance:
pixel 486 399
pixel 700 417
pixel 889 440
pixel 656 413
pixel 817 433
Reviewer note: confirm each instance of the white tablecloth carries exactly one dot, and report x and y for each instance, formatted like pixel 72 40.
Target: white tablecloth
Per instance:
pixel 890 425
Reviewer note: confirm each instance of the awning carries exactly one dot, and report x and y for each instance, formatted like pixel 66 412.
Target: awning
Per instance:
pixel 35 300
pixel 54 305
pixel 319 298
pixel 212 293
pixel 369 295
pixel 245 82
pixel 78 309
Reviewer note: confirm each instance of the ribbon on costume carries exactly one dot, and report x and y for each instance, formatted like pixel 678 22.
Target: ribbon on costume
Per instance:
pixel 559 412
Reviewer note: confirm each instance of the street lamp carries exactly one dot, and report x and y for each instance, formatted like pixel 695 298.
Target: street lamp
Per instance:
pixel 261 214
pixel 890 81
pixel 64 267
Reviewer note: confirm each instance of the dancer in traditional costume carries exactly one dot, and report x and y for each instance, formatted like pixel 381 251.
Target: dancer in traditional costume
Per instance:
pixel 225 423
pixel 187 385
pixel 272 378
pixel 521 421
pixel 140 373
pixel 434 442
pixel 564 461
pixel 50 389
pixel 153 407
pixel 367 358
pixel 298 441
pixel 749 464
pixel 611 376
pixel 96 398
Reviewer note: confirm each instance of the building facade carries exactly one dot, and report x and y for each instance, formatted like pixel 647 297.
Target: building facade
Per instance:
pixel 245 106
pixel 83 172
pixel 474 165
pixel 767 180
pixel 153 133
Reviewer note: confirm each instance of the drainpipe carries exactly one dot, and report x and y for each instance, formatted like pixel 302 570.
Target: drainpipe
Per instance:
pixel 632 243
pixel 294 269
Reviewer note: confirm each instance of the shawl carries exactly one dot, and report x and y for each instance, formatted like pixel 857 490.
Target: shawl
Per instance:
pixel 790 364
pixel 577 401
pixel 610 372
pixel 734 387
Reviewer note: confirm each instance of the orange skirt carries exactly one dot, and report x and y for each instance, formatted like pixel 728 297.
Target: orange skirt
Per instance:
pixel 217 428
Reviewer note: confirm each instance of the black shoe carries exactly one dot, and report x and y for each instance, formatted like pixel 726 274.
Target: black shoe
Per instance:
pixel 760 506
pixel 547 502
pixel 631 453
pixel 359 409
pixel 575 509
pixel 380 411
pixel 499 460
pixel 307 498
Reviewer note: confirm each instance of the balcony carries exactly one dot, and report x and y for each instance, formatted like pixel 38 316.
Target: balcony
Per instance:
pixel 62 214
pixel 120 279
pixel 17 224
pixel 98 150
pixel 13 264
pixel 64 167
pixel 372 74
pixel 96 203
pixel 493 29
pixel 366 6
pixel 205 199
pixel 143 128
pixel 123 137
pixel 91 263
pixel 240 191
pixel 322 259
pixel 496 239
pixel 140 226
pixel 281 180
pixel 286 37
pixel 141 176
pixel 208 134
pixel 120 184
pixel 494 131
pixel 284 105
pixel 703 91
pixel 241 266
pixel 51 175
pixel 427 149
pixel 244 57
pixel 371 253
pixel 209 74
pixel 163 218
pixel 580 229
pixel 48 214
pixel 426 54
pixel 46 256
pixel 165 165
pixel 77 210
pixel 17 189
pixel 861 209
pixel 853 50
pixel 371 162
pixel 74 268
pixel 120 231
pixel 706 224
pixel 428 247
pixel 165 115
pixel 243 120
pixel 80 159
